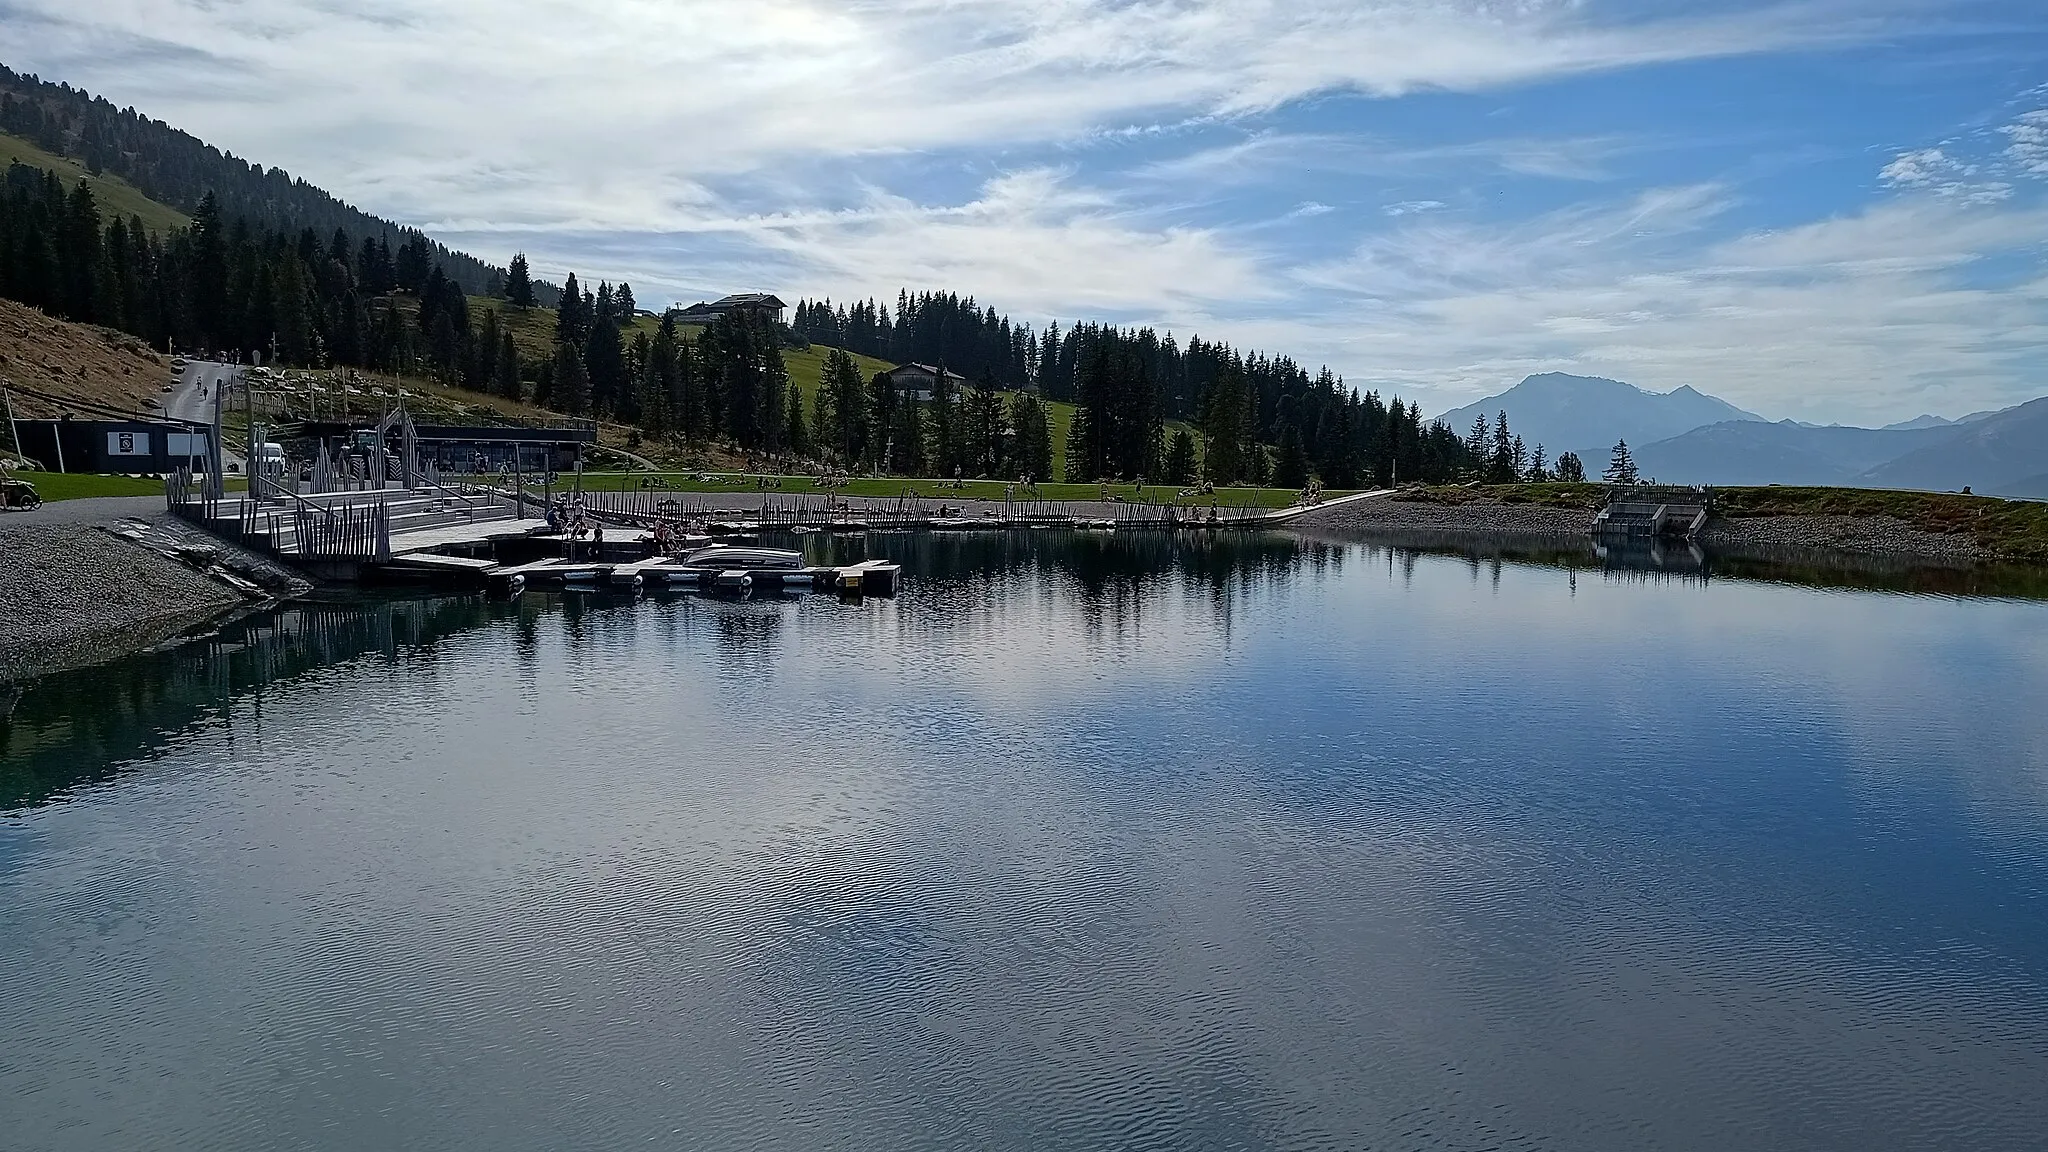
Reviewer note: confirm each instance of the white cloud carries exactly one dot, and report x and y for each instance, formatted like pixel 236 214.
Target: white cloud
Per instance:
pixel 1920 169
pixel 1037 241
pixel 2028 149
pixel 1263 157
pixel 1869 316
pixel 1411 207
pixel 404 108
pixel 1935 171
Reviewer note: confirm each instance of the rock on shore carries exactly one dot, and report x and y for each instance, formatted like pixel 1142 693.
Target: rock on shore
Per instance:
pixel 74 594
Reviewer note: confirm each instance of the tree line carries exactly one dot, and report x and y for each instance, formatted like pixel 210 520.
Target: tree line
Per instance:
pixel 232 289
pixel 179 170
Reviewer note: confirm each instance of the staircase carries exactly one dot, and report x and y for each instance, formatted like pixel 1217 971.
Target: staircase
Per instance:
pixel 1655 511
pixel 359 526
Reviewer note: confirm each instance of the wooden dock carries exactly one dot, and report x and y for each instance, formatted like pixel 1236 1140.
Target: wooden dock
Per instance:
pixel 867 578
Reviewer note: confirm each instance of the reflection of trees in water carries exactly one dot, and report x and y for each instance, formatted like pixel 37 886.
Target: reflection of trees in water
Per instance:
pixel 75 727
pixel 1686 563
pixel 1110 578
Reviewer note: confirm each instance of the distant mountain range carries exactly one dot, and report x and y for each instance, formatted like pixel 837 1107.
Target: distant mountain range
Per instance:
pixel 1587 414
pixel 1688 437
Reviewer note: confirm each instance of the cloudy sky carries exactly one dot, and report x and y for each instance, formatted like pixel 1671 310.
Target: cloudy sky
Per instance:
pixel 1828 210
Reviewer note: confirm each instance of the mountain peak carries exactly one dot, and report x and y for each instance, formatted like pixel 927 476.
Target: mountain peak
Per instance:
pixel 1587 414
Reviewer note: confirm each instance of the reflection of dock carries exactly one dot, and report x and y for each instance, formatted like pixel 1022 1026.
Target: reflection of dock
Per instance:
pixel 867 578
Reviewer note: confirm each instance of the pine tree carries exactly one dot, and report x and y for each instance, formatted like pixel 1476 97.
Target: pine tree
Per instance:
pixel 1180 459
pixel 798 439
pixel 1034 437
pixel 519 287
pixel 842 407
pixel 1500 465
pixel 569 317
pixel 505 375
pixel 571 390
pixel 1292 469
pixel 1569 469
pixel 1621 468
pixel 1539 467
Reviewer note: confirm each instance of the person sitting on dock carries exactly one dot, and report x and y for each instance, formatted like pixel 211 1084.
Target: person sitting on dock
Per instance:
pixel 596 540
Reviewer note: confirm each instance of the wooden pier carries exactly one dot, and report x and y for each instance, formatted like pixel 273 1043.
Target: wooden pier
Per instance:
pixel 867 578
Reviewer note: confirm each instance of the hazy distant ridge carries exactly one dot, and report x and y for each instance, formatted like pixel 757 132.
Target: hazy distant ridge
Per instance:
pixel 1587 414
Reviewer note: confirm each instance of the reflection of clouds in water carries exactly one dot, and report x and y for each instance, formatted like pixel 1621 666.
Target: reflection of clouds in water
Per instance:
pixel 1054 852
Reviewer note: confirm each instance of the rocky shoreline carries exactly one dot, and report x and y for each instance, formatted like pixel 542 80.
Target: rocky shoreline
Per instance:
pixel 1882 537
pixel 83 592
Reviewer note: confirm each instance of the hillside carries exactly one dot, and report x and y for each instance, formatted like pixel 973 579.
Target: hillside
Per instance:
pixel 1587 414
pixel 1755 452
pixel 177 169
pixel 115 195
pixel 1998 453
pixel 2003 452
pixel 51 362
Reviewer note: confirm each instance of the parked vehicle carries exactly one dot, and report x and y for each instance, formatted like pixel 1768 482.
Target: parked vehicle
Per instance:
pixel 18 494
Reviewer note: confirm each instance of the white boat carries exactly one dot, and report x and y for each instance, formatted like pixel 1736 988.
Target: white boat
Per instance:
pixel 749 557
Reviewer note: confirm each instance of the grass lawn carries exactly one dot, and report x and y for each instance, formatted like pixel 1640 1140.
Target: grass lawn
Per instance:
pixel 78 485
pixel 889 487
pixel 52 486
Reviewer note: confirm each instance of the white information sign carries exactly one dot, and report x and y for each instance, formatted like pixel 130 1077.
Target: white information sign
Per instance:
pixel 183 445
pixel 127 443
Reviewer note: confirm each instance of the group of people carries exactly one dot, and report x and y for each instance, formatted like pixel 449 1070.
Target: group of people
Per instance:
pixel 586 535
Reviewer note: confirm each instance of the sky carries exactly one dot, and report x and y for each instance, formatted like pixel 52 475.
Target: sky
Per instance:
pixel 1829 210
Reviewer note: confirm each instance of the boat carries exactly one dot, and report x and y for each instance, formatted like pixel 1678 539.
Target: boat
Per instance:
pixel 748 557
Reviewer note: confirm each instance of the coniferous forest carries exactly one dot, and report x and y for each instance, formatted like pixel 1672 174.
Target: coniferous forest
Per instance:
pixel 273 267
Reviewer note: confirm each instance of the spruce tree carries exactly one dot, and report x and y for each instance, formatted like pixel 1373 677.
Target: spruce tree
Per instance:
pixel 519 287
pixel 798 439
pixel 1292 469
pixel 1034 438
pixel 1621 468
pixel 505 380
pixel 1180 459
pixel 571 384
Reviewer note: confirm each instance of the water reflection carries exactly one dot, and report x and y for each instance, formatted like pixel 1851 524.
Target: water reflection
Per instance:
pixel 81 726
pixel 1685 562
pixel 1083 842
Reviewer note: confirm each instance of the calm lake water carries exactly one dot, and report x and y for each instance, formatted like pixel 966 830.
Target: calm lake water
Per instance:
pixel 1098 842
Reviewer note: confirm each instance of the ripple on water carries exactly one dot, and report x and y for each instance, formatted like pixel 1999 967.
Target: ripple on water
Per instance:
pixel 1048 856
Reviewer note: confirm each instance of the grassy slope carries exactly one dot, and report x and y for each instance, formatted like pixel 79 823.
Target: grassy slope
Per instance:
pixel 2014 528
pixel 113 193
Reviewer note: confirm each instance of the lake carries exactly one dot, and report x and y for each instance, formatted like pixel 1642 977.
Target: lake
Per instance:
pixel 1085 841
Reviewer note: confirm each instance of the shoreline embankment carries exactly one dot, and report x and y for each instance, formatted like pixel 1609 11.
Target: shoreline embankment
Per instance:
pixel 1870 536
pixel 96 585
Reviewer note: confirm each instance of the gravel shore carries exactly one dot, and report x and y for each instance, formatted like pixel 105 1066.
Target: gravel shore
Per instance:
pixel 1492 518
pixel 1877 536
pixel 74 593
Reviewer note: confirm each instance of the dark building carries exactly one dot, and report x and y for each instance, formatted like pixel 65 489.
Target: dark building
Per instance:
pixel 455 449
pixel 918 381
pixel 132 447
pixel 759 303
